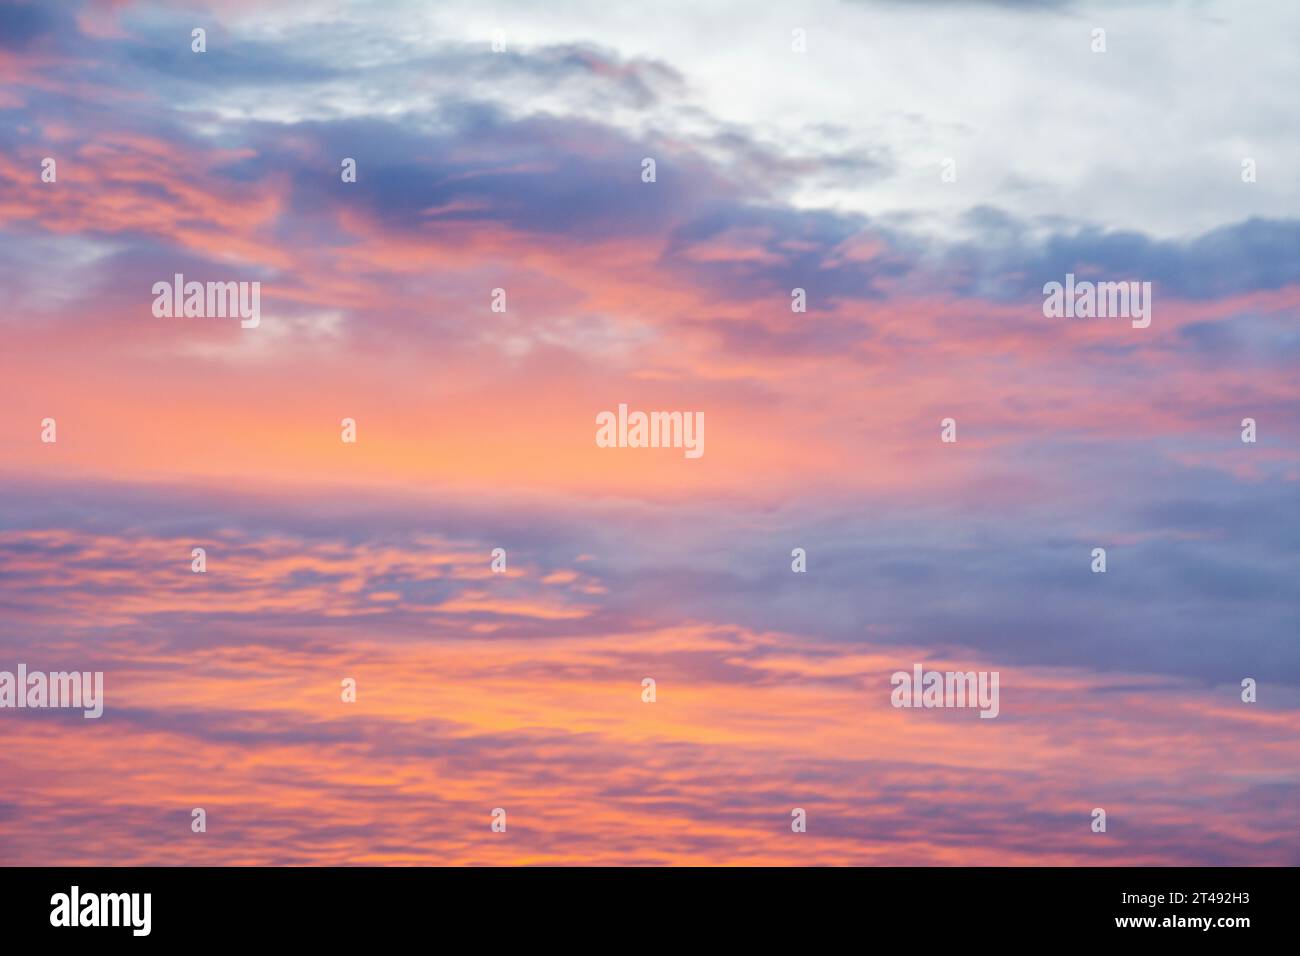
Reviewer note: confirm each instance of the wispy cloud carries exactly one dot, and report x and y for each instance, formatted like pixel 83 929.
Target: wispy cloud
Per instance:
pixel 522 171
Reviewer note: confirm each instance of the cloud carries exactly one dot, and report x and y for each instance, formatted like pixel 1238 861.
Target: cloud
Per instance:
pixel 522 171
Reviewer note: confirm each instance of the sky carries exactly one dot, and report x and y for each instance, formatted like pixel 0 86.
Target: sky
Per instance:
pixel 920 169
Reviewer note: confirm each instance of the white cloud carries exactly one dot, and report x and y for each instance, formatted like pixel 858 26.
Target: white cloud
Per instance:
pixel 1146 136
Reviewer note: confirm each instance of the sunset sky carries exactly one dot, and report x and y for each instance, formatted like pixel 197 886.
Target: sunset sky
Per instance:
pixel 775 170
